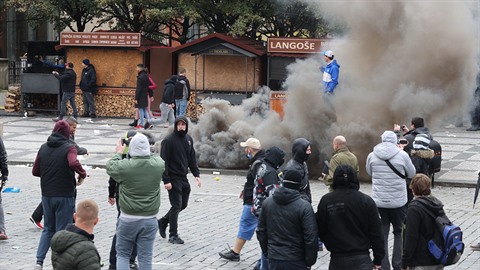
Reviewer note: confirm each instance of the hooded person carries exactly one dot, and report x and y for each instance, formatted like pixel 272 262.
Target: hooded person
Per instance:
pixel 421 154
pixel 167 105
pixel 349 224
pixel 56 164
pixel 287 229
pixel 139 178
pixel 389 167
pixel 179 154
pixel 301 150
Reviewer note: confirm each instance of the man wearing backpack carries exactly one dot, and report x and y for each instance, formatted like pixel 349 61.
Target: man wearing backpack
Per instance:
pixel 420 227
pixel 182 92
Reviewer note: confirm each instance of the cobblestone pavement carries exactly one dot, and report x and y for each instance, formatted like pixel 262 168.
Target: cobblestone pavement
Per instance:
pixel 211 220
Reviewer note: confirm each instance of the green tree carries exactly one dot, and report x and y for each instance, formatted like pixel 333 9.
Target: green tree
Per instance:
pixel 71 14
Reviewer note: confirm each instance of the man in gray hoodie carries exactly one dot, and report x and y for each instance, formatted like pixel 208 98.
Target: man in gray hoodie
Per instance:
pixel 389 190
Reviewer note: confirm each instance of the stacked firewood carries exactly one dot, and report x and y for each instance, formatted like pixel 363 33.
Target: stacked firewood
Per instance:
pixel 108 105
pixel 12 99
pixel 193 110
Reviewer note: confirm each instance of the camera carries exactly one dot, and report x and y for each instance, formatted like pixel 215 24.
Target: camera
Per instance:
pixel 403 127
pixel 125 141
pixel 403 141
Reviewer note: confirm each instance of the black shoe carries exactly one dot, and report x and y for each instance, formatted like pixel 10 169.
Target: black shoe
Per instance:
pixel 175 239
pixel 230 255
pixel 162 228
pixel 133 266
pixel 473 128
pixel 93 115
pixel 147 125
pixel 134 123
pixel 85 115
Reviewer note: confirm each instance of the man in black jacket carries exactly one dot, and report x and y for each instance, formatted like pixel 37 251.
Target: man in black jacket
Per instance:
pixel 349 224
pixel 88 85
pixel 301 150
pixel 67 83
pixel 179 155
pixel 166 106
pixel 248 221
pixel 3 180
pixel 141 95
pixel 287 230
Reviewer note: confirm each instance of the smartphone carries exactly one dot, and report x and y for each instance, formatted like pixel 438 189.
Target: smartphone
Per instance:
pixel 403 141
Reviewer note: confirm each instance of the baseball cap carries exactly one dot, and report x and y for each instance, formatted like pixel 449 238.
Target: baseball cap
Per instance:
pixel 328 53
pixel 251 142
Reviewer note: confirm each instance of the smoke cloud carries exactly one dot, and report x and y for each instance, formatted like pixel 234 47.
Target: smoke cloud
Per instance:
pixel 398 59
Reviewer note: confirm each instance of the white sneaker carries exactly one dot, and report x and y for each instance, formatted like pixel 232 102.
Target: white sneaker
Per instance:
pixel 38 267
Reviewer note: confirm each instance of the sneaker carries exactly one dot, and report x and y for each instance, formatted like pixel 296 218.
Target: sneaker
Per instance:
pixel 175 239
pixel 162 228
pixel 133 266
pixel 38 267
pixel 473 128
pixel 3 236
pixel 475 247
pixel 230 255
pixel 36 223
pixel 147 126
pixel 57 119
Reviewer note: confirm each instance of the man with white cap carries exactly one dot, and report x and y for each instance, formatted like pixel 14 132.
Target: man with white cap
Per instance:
pixel 139 199
pixel 330 77
pixel 389 167
pixel 248 221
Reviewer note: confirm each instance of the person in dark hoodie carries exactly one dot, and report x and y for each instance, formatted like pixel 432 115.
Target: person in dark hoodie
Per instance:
pixel 349 224
pixel 56 164
pixel 67 82
pixel 287 229
pixel 266 180
pixel 73 248
pixel 179 155
pixel 166 106
pixel 88 85
pixel 301 150
pixel 248 221
pixel 419 226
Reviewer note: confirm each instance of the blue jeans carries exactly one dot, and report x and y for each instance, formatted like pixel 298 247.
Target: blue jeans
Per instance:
pixel 57 214
pixel 181 105
pixel 248 223
pixel 2 216
pixel 396 217
pixel 68 96
pixel 142 113
pixel 88 103
pixel 139 232
pixel 264 262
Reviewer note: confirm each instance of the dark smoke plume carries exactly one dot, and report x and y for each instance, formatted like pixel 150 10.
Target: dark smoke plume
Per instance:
pixel 398 59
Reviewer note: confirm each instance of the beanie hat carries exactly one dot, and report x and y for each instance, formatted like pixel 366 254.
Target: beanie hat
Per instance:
pixel 389 136
pixel 63 128
pixel 292 179
pixel 345 176
pixel 421 142
pixel 139 146
pixel 86 62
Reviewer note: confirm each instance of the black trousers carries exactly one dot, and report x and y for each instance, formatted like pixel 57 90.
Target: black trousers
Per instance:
pixel 357 262
pixel 286 265
pixel 178 197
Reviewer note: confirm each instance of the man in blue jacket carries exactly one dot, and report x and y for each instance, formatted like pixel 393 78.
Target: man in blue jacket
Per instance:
pixel 330 77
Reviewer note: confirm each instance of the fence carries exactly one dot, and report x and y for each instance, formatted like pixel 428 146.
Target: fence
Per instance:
pixel 14 72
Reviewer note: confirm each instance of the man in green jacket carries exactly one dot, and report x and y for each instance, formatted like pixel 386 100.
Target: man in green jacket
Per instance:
pixel 73 247
pixel 341 156
pixel 139 177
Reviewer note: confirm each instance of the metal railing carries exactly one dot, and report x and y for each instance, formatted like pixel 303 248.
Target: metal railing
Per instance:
pixel 14 72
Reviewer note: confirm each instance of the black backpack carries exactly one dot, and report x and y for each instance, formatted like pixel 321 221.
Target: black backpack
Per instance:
pixel 446 246
pixel 178 89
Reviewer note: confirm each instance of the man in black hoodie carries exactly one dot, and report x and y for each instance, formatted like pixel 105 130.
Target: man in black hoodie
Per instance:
pixel 248 221
pixel 179 155
pixel 301 150
pixel 67 83
pixel 349 224
pixel 287 230
pixel 166 106
pixel 88 85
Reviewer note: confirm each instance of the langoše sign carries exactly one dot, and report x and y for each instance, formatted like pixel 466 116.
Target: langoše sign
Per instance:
pixel 296 45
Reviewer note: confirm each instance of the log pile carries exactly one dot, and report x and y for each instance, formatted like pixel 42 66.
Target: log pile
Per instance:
pixel 13 99
pixel 193 110
pixel 108 105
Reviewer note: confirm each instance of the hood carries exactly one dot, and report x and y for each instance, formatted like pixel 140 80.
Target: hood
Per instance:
pixel 299 149
pixel 275 156
pixel 345 177
pixel 70 236
pixel 431 202
pixel 389 136
pixel 426 154
pixel 172 80
pixel 139 146
pixel 178 119
pixel 62 128
pixel 334 63
pixel 283 195
pixel 386 150
pixel 260 155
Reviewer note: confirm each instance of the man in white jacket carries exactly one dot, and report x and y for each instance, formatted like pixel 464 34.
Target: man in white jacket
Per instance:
pixel 389 190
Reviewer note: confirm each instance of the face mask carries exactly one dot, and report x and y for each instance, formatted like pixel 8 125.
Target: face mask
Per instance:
pixel 181 132
pixel 249 156
pixel 306 157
